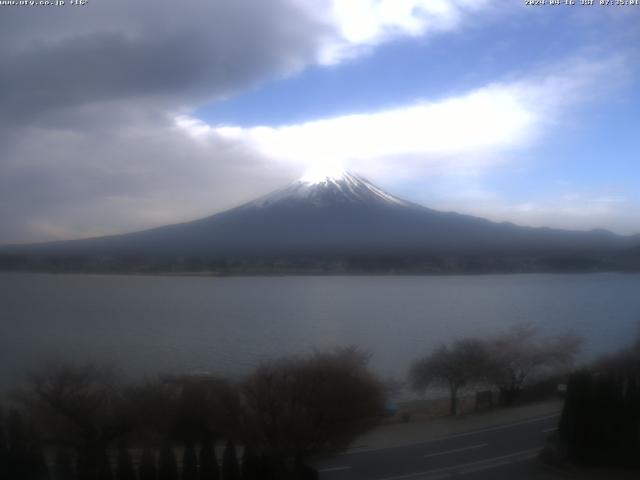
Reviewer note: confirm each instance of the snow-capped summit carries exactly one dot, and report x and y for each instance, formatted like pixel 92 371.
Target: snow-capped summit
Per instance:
pixel 323 173
pixel 329 187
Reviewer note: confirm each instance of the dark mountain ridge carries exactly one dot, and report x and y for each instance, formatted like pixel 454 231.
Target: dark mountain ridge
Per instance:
pixel 327 219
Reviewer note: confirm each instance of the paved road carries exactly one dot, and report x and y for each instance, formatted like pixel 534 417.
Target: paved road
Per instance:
pixel 495 452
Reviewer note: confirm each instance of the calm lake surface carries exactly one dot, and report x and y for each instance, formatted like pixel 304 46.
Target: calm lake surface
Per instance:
pixel 150 324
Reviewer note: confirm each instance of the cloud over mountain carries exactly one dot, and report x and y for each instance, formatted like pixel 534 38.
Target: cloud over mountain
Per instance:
pixel 89 98
pixel 96 102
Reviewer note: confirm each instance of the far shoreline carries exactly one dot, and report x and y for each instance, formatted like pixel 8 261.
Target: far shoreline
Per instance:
pixel 213 274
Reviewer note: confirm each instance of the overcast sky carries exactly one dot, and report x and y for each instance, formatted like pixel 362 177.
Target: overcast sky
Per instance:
pixel 118 115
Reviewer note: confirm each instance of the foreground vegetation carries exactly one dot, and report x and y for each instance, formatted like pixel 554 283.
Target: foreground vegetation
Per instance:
pixel 505 362
pixel 85 422
pixel 600 423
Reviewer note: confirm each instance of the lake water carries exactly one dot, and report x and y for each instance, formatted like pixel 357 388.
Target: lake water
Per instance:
pixel 149 324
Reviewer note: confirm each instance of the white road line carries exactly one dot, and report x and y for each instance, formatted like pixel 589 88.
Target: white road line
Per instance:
pixel 506 460
pixel 447 437
pixel 456 450
pixel 333 469
pixel 548 430
pixel 469 467
pixel 500 427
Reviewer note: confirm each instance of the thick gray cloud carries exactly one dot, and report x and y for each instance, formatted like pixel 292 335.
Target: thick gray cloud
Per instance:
pixel 121 178
pixel 168 51
pixel 89 97
pixel 88 144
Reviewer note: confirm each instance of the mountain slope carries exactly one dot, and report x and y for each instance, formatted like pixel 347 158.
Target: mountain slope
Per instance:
pixel 339 215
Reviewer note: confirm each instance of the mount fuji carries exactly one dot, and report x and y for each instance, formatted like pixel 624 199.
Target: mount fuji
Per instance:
pixel 332 218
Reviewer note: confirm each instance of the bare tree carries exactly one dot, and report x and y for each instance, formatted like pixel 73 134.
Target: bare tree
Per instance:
pixel 209 469
pixel 148 469
pixel 230 466
pixel 4 444
pixel 22 452
pixel 303 405
pixel 189 462
pixel 153 406
pixel 125 469
pixel 521 352
pixel 77 403
pixel 167 463
pixel 79 406
pixel 452 366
